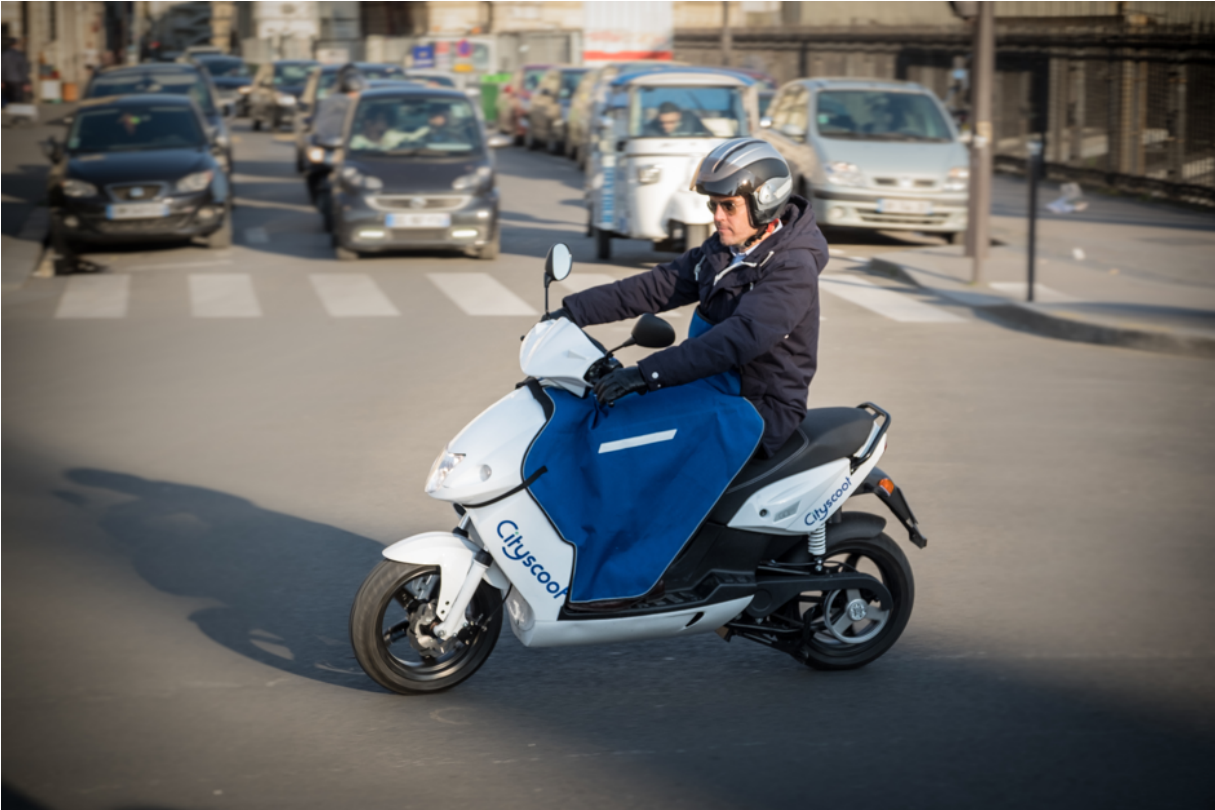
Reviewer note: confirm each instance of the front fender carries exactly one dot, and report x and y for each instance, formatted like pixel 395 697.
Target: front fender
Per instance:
pixel 452 554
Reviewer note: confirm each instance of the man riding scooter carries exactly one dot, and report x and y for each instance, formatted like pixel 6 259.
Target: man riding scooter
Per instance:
pixel 756 285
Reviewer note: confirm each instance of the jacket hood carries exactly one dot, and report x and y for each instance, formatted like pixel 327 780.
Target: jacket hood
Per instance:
pixel 166 165
pixel 406 175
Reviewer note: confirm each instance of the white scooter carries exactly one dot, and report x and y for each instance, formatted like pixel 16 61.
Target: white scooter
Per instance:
pixel 775 561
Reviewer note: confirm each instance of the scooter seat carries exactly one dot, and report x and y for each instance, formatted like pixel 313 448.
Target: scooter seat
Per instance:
pixel 826 434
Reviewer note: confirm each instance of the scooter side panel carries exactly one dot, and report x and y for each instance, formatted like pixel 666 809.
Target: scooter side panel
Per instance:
pixel 636 628
pixel 531 554
pixel 493 445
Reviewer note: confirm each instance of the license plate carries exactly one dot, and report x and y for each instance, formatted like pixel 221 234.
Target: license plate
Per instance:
pixel 419 220
pixel 904 207
pixel 146 210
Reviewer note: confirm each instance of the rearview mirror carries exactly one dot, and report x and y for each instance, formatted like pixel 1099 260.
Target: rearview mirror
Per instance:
pixel 558 263
pixel 652 332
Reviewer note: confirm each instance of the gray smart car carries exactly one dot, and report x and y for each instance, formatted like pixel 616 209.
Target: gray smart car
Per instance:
pixel 881 155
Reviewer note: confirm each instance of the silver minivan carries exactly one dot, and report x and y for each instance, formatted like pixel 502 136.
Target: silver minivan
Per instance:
pixel 872 154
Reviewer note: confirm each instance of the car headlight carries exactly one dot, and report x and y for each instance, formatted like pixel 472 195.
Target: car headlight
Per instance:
pixel 474 180
pixel 844 174
pixel 958 179
pixel 195 182
pixel 649 174
pixel 444 464
pixel 78 188
pixel 285 99
pixel 316 154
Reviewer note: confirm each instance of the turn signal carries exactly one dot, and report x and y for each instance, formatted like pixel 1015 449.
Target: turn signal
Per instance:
pixel 887 485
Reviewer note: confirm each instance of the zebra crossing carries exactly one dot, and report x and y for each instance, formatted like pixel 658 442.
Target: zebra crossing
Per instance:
pixel 227 295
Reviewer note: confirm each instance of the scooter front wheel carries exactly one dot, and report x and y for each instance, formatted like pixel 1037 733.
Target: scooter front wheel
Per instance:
pixel 390 621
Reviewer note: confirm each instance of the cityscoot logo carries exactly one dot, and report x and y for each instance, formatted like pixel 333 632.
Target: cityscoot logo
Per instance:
pixel 824 510
pixel 512 547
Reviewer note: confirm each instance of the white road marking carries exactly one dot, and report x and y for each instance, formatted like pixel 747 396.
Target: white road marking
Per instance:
pixel 896 306
pixel 95 297
pixel 142 267
pixel 257 236
pixel 637 441
pixel 223 295
pixel 351 295
pixel 480 294
pixel 1017 289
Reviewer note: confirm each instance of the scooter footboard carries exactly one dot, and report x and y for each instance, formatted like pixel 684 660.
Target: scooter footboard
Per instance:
pixel 452 554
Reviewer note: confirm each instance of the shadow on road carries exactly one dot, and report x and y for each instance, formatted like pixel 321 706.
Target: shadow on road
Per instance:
pixel 283 585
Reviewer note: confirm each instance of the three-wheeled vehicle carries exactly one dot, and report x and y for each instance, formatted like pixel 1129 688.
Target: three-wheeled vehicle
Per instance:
pixel 656 127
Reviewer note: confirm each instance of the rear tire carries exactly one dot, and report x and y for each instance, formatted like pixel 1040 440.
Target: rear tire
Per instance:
pixel 603 244
pixel 880 557
pixel 387 610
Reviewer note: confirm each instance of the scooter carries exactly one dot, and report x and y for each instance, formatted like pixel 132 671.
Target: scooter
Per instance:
pixel 774 560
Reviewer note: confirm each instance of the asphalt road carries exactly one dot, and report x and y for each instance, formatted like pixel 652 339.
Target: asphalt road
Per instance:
pixel 195 485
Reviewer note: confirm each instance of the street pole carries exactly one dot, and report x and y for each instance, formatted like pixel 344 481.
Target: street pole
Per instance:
pixel 981 146
pixel 1033 167
pixel 727 37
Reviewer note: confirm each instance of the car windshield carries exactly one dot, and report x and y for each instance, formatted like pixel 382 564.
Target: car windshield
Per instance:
pixel 874 115
pixel 687 112
pixel 225 67
pixel 130 129
pixel 414 126
pixel 174 84
pixel 569 82
pixel 292 74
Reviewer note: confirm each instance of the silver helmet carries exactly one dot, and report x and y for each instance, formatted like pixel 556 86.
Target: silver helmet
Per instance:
pixel 751 169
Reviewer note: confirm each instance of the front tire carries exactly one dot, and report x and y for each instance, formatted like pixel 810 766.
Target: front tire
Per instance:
pixel 387 630
pixel 822 649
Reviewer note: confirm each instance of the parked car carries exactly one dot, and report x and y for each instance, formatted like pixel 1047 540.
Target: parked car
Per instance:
pixel 231 77
pixel 137 168
pixel 415 171
pixel 550 107
pixel 276 90
pixel 322 82
pixel 587 102
pixel 872 154
pixel 173 78
pixel 514 99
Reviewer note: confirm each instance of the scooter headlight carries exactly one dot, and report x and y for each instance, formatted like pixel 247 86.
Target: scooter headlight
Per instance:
pixel 444 464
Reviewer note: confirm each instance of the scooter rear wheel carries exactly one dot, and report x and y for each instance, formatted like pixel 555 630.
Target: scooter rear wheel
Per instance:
pixel 830 639
pixel 387 630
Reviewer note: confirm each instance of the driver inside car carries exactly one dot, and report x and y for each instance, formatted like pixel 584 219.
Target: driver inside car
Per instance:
pixel 377 132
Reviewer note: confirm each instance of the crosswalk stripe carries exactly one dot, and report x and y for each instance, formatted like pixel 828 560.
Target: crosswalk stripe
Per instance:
pixel 223 295
pixel 577 282
pixel 95 297
pixel 351 295
pixel 480 294
pixel 897 306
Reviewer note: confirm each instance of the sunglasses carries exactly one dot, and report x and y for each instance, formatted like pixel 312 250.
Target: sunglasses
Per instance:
pixel 729 206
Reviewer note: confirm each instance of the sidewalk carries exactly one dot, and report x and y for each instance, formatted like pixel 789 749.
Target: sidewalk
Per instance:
pixel 1122 273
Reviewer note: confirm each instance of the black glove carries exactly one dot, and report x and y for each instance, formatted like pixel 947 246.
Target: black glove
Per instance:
pixel 618 383
pixel 559 313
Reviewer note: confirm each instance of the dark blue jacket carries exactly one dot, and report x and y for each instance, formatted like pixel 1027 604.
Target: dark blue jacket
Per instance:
pixel 765 315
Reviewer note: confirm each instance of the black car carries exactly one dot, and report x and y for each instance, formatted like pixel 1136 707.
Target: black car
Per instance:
pixel 276 90
pixel 138 168
pixel 174 78
pixel 230 75
pixel 414 171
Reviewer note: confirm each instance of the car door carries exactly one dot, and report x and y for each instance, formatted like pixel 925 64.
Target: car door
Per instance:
pixel 789 134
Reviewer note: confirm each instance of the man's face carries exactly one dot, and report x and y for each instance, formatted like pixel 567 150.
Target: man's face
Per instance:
pixel 669 121
pixel 438 119
pixel 730 217
pixel 376 127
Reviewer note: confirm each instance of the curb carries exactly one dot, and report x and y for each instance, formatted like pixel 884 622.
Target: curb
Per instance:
pixel 1032 318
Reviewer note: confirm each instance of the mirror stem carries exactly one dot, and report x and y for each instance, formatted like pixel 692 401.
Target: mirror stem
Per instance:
pixel 546 283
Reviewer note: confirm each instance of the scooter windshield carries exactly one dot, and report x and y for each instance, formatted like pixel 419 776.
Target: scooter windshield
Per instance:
pixel 629 486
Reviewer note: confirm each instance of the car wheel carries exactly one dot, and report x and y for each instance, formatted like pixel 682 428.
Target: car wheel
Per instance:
pixel 492 248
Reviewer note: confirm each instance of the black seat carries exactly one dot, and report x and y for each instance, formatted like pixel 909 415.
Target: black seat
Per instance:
pixel 826 434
